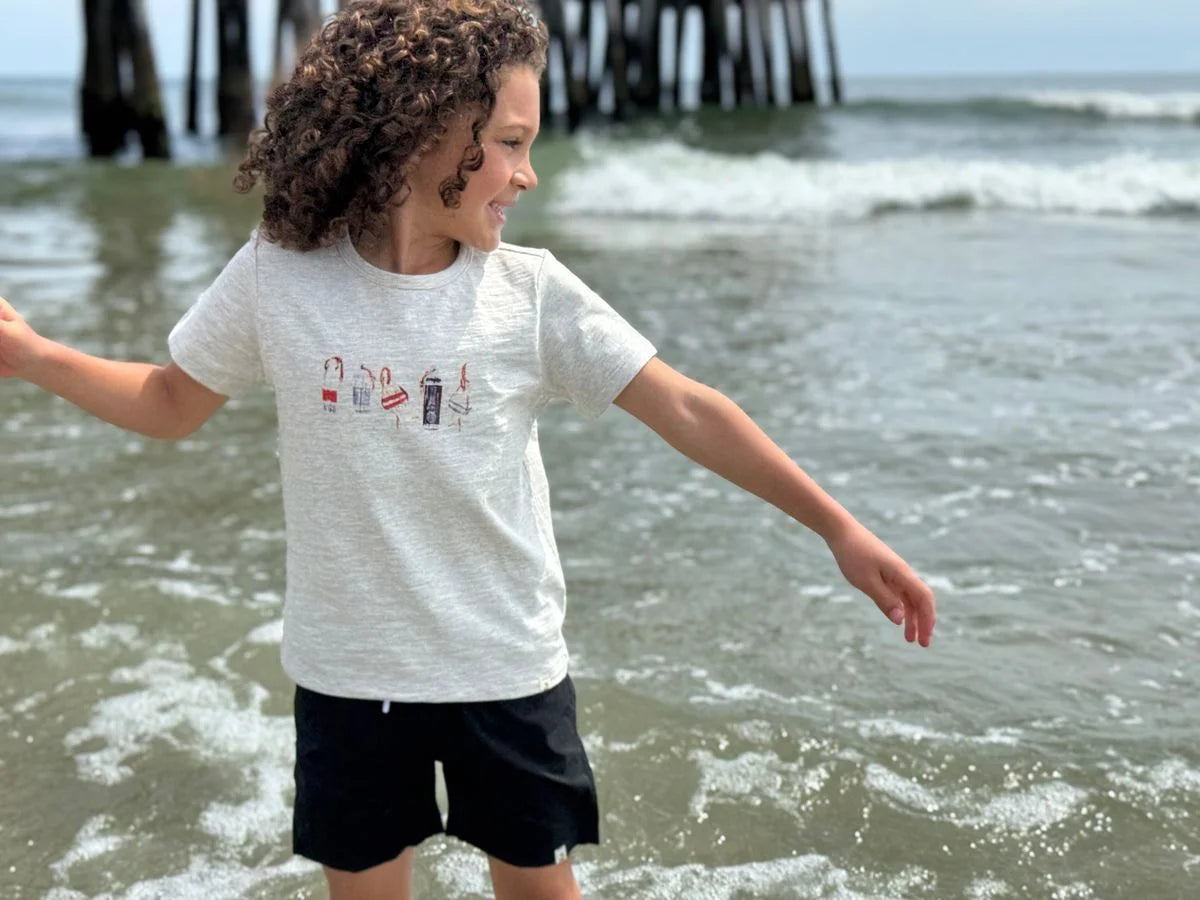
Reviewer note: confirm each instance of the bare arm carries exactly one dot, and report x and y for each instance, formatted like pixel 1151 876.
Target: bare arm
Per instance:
pixel 709 428
pixel 157 401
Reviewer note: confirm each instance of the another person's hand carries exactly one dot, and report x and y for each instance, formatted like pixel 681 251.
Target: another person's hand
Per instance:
pixel 875 569
pixel 17 342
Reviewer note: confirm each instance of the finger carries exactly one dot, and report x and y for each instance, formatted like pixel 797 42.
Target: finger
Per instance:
pixel 889 600
pixel 924 612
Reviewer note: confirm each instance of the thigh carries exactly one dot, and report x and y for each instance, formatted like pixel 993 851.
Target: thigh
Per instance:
pixel 555 882
pixel 364 781
pixel 387 881
pixel 518 780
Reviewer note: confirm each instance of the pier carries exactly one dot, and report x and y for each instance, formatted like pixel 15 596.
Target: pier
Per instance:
pixel 613 59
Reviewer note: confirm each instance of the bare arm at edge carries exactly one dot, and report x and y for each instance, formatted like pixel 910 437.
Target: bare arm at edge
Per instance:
pixel 710 429
pixel 157 401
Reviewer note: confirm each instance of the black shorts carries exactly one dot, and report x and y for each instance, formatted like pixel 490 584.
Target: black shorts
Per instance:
pixel 518 780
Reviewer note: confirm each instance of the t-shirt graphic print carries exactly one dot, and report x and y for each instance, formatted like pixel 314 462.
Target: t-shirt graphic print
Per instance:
pixel 393 397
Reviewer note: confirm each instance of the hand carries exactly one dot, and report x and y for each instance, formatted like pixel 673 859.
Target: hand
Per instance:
pixel 874 568
pixel 17 341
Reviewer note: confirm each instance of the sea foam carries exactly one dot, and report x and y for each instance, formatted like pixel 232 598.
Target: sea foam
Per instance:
pixel 1182 106
pixel 667 180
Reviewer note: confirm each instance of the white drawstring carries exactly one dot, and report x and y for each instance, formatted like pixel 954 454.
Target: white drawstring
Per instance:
pixel 387 704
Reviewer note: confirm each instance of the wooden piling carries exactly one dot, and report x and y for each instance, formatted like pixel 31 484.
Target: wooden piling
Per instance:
pixel 235 105
pixel 193 82
pixel 716 50
pixel 835 75
pixel 647 92
pixel 800 62
pixel 112 103
pixel 304 18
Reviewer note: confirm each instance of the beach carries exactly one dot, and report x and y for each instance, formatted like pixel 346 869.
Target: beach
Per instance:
pixel 967 307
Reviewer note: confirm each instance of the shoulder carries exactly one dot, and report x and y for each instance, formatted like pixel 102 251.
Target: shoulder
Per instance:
pixel 278 267
pixel 513 268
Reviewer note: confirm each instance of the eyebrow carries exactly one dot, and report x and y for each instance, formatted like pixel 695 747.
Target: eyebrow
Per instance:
pixel 520 126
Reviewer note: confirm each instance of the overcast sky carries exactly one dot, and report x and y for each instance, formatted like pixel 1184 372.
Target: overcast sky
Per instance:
pixel 44 37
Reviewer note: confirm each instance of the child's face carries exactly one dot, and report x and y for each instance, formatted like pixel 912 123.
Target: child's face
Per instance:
pixel 506 171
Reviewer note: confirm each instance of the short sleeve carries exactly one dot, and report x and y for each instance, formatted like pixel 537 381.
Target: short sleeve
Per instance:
pixel 589 353
pixel 216 341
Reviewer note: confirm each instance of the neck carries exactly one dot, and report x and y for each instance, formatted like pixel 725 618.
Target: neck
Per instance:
pixel 398 247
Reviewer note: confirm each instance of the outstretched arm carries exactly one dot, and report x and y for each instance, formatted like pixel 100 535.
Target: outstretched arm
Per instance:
pixel 709 428
pixel 157 401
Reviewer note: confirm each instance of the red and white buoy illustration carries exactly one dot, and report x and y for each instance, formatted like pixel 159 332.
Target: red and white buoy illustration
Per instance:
pixel 334 373
pixel 391 397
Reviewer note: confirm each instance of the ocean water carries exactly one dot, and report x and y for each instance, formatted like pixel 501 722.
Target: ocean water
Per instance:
pixel 968 307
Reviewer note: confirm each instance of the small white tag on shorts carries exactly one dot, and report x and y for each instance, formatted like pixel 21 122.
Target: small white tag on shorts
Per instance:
pixel 560 855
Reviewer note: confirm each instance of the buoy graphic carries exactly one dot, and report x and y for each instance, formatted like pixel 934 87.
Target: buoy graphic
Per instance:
pixel 334 372
pixel 364 388
pixel 431 399
pixel 391 397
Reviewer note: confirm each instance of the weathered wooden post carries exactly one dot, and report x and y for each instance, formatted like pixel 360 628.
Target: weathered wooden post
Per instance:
pixel 648 89
pixel 148 120
pixel 756 77
pixel 835 75
pixel 616 56
pixel 304 17
pixel 104 114
pixel 574 57
pixel 800 63
pixel 235 106
pixel 193 124
pixel 117 40
pixel 716 46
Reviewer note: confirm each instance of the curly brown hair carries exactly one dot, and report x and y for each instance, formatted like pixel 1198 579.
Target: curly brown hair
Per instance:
pixel 374 91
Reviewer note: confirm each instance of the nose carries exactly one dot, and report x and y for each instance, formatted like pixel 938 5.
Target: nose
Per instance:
pixel 524 177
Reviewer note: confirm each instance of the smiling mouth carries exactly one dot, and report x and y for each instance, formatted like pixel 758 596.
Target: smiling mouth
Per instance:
pixel 499 211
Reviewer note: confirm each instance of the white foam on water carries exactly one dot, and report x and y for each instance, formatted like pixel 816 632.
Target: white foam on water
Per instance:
pixel 270 633
pixel 463 873
pixel 987 889
pixel 86 592
pixel 740 693
pixel 267 815
pixel 1180 106
pixel 26 510
pixel 91 841
pixel 191 713
pixel 1016 812
pixel 108 634
pixel 870 728
pixel 40 637
pixel 903 790
pixel 8 645
pixel 1169 776
pixel 754 778
pixel 1039 806
pixel 205 879
pixel 212 722
pixel 191 590
pixel 667 180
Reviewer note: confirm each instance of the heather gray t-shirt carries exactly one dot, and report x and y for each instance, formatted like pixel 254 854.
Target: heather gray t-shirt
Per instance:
pixel 421 564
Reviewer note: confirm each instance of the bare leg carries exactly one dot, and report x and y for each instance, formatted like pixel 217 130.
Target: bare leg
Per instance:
pixel 387 881
pixel 556 882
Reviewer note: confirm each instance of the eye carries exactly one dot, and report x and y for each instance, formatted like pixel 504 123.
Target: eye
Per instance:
pixel 514 143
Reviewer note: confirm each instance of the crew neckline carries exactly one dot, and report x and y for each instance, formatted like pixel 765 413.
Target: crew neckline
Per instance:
pixel 350 255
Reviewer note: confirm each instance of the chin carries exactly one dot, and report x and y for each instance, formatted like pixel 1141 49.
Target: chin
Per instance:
pixel 488 243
